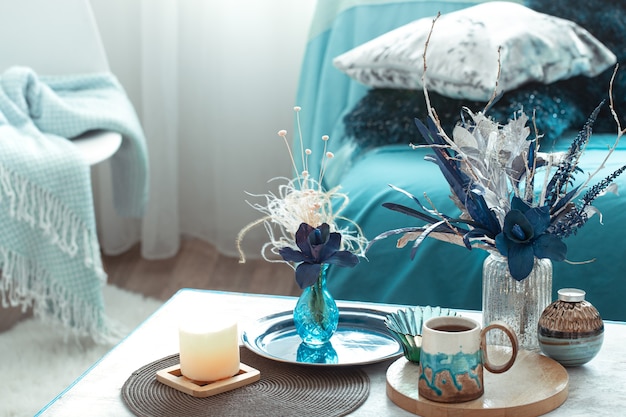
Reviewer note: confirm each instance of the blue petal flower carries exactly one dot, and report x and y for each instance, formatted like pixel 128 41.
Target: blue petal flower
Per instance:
pixel 307 273
pixel 517 228
pixel 330 247
pixel 521 260
pixel 317 246
pixel 519 204
pixel 524 236
pixel 550 246
pixel 343 258
pixel 291 255
pixel 539 218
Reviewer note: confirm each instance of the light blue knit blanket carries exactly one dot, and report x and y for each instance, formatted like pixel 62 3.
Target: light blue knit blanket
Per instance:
pixel 49 252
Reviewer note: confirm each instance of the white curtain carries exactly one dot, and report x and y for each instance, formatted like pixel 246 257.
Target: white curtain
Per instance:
pixel 212 82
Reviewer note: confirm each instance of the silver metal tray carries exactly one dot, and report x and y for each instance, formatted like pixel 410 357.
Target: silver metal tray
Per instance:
pixel 361 338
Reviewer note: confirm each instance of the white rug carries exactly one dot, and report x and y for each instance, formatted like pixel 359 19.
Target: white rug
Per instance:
pixel 36 363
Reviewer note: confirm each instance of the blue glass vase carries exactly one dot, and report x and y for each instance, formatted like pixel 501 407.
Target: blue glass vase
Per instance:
pixel 316 315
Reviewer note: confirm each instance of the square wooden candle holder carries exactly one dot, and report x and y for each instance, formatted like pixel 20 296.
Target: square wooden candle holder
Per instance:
pixel 174 378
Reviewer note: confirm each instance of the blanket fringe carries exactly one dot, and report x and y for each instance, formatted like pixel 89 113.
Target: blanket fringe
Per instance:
pixel 25 284
pixel 29 203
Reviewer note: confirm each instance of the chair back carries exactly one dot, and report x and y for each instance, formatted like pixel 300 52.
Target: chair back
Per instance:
pixel 57 37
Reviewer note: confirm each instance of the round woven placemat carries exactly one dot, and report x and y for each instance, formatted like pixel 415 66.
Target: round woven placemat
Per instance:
pixel 284 390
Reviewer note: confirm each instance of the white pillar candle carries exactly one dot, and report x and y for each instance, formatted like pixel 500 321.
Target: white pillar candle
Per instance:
pixel 209 349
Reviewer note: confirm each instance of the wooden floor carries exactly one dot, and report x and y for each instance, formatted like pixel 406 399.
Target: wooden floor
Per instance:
pixel 197 265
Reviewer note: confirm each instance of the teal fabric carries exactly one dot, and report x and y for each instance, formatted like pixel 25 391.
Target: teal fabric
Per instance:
pixel 441 274
pixel 49 251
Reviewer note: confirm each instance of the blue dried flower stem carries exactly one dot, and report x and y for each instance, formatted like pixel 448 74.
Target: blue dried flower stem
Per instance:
pixel 572 220
pixel 566 170
pixel 595 191
pixel 568 224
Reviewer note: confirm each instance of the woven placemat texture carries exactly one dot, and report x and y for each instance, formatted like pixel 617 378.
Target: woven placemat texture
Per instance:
pixel 284 390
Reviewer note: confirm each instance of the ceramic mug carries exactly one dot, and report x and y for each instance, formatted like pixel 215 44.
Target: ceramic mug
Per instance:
pixel 454 352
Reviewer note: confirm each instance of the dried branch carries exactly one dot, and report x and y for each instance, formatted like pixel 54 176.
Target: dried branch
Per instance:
pixel 620 133
pixel 431 112
pixel 494 95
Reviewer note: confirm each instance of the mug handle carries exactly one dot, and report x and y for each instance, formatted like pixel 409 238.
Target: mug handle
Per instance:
pixel 498 369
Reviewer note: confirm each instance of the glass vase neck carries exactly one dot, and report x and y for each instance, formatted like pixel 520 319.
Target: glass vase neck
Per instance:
pixel 321 278
pixel 316 315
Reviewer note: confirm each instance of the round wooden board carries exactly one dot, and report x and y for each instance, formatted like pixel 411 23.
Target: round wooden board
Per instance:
pixel 534 386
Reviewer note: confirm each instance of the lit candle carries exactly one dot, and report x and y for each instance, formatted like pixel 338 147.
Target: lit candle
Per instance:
pixel 209 350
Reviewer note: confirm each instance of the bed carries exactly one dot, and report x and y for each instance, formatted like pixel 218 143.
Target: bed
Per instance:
pixel 441 274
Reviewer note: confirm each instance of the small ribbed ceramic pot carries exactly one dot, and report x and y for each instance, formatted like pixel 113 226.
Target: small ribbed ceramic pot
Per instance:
pixel 570 330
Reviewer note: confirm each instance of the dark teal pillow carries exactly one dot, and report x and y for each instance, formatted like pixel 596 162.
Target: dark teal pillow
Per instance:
pixel 385 116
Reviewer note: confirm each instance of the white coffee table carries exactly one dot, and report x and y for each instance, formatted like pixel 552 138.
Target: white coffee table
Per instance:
pixel 596 389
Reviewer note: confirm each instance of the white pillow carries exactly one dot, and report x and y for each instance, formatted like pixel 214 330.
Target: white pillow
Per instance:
pixel 462 54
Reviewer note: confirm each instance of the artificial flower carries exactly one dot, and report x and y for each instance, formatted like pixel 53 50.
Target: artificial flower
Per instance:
pixel 304 222
pixel 524 236
pixel 513 199
pixel 318 245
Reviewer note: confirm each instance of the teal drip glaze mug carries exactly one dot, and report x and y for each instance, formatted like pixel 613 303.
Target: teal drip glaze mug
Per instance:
pixel 454 353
